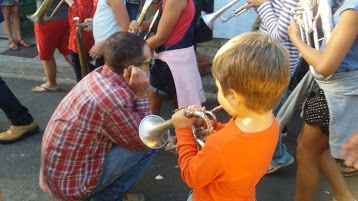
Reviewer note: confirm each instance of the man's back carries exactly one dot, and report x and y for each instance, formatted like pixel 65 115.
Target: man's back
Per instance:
pixel 96 114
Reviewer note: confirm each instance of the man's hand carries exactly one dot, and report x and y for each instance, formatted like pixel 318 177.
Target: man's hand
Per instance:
pixel 138 80
pixel 350 151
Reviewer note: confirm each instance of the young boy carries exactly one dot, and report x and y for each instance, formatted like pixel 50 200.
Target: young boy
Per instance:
pixel 251 72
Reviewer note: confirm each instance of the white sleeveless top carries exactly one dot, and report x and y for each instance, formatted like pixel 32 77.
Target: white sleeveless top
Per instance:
pixel 104 22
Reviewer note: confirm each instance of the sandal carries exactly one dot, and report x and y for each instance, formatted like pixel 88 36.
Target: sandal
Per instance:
pixel 24 43
pixel 345 170
pixel 13 45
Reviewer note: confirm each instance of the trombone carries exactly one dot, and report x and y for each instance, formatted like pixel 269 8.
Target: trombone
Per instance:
pixel 210 18
pixel 40 15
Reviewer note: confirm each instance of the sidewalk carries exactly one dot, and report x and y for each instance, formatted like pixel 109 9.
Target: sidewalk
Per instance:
pixel 31 68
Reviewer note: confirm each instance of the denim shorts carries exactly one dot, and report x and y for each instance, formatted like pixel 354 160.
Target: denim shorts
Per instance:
pixel 161 79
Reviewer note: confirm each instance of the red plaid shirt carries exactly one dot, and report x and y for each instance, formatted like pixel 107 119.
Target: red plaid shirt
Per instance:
pixel 97 113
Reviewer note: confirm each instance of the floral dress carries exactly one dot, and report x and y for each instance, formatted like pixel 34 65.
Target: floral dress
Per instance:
pixel 10 2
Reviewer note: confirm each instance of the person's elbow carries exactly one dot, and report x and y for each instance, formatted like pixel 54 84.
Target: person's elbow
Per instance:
pixel 161 39
pixel 325 69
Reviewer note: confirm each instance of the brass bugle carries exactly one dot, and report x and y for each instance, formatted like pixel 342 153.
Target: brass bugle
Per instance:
pixel 40 16
pixel 154 130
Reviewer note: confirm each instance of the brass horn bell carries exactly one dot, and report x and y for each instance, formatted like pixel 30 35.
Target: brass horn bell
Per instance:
pixel 40 15
pixel 154 131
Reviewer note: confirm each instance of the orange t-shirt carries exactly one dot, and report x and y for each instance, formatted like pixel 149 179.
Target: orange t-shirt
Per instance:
pixel 230 164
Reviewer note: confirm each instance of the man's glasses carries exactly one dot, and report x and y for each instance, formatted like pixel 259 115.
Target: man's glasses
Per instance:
pixel 145 63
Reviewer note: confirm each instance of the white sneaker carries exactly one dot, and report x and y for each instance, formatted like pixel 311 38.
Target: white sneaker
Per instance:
pixel 275 167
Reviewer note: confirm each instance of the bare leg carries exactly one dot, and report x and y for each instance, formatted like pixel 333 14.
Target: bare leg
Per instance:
pixel 7 22
pixel 50 69
pixel 331 171
pixel 311 145
pixel 15 19
pixel 155 101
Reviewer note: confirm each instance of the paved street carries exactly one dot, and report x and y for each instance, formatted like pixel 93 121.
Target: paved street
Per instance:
pixel 19 162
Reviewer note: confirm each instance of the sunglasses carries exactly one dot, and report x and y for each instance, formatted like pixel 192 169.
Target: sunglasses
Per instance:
pixel 145 63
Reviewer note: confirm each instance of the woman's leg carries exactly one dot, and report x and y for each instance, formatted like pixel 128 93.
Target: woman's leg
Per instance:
pixel 155 102
pixel 15 21
pixel 7 22
pixel 311 145
pixel 331 171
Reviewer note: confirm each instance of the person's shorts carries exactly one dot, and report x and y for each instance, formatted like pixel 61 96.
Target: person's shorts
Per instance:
pixel 51 35
pixel 161 79
pixel 316 109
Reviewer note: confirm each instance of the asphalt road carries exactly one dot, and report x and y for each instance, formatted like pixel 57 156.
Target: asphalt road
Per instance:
pixel 20 162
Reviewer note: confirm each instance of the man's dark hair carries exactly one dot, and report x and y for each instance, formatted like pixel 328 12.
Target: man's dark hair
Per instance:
pixel 122 49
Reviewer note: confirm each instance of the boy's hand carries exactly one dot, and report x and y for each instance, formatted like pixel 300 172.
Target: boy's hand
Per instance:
pixel 180 120
pixel 134 27
pixel 97 50
pixel 138 80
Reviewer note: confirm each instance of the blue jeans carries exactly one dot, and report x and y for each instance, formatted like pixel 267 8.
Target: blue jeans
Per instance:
pixel 132 10
pixel 281 154
pixel 14 110
pixel 121 171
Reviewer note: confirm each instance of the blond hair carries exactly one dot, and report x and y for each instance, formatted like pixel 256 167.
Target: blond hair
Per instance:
pixel 256 66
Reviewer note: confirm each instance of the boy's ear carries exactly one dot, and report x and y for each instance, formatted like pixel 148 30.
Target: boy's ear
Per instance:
pixel 234 96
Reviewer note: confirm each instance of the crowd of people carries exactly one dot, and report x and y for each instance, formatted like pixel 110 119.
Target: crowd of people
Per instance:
pixel 91 149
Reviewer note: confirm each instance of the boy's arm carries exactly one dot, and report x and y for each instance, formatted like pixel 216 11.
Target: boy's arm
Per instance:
pixel 198 168
pixel 120 12
pixel 276 23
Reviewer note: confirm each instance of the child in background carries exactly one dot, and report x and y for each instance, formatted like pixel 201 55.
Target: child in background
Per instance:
pixel 329 114
pixel 84 10
pixel 251 72
pixel 174 74
pixel 111 16
pixel 51 35
pixel 275 18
